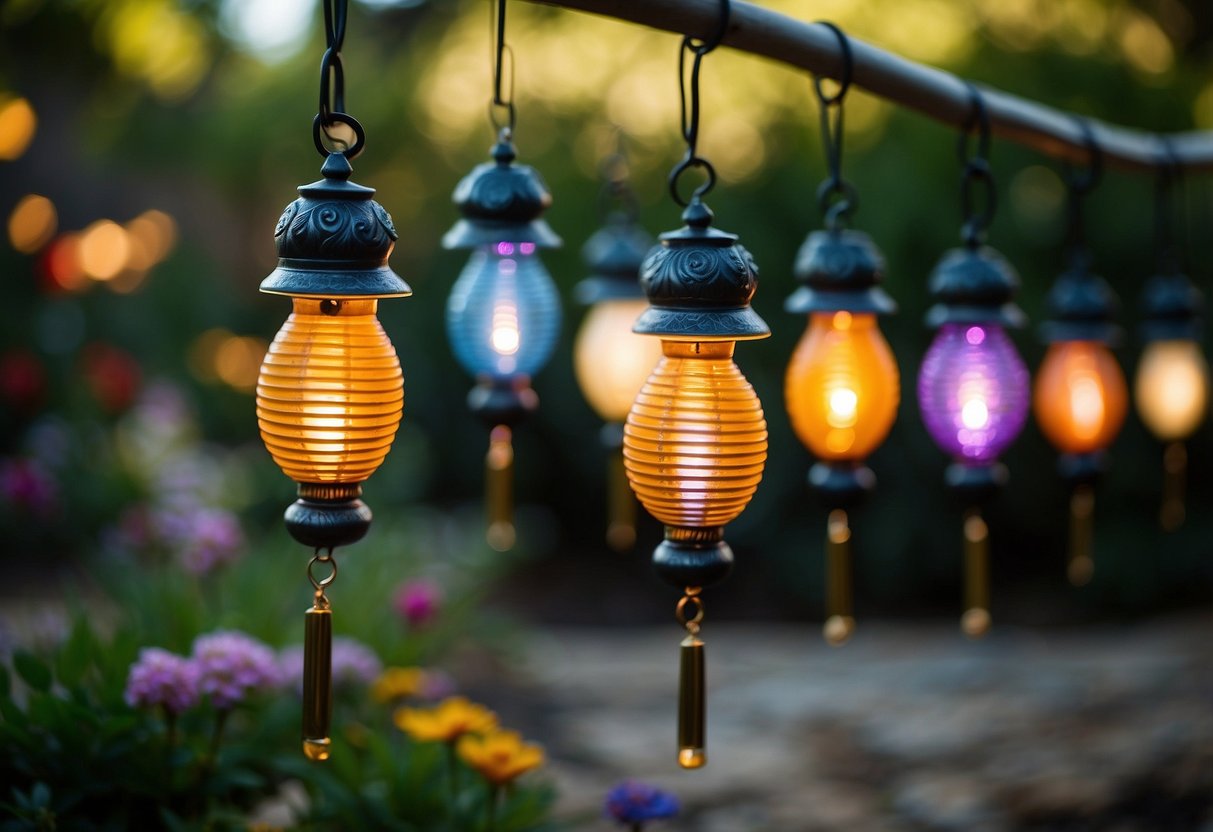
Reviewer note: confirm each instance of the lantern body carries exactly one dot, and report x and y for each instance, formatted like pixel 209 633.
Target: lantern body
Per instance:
pixel 1080 397
pixel 610 360
pixel 695 440
pixel 842 386
pixel 503 314
pixel 330 392
pixel 973 391
pixel 1172 388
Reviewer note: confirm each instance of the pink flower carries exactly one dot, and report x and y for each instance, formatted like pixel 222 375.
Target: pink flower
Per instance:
pixel 418 601
pixel 26 484
pixel 162 679
pixel 232 665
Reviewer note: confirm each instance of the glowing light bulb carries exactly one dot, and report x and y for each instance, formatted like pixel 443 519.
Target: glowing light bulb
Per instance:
pixel 1172 388
pixel 1080 397
pixel 503 314
pixel 842 386
pixel 611 361
pixel 973 391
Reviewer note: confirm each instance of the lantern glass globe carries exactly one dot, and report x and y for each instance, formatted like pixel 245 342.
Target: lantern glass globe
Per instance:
pixel 611 361
pixel 1172 388
pixel 1081 397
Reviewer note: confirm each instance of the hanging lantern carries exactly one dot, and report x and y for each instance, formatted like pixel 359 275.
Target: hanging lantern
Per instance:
pixel 695 440
pixel 503 314
pixel 973 386
pixel 1172 385
pixel 612 362
pixel 330 392
pixel 842 385
pixel 1080 397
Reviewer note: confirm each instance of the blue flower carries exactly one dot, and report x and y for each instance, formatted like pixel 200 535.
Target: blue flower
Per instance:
pixel 635 802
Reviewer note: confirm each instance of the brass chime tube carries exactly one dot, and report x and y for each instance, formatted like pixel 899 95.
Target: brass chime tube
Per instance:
pixel 317 681
pixel 840 621
pixel 1174 483
pixel 621 507
pixel 975 622
pixel 692 704
pixel 1082 535
pixel 499 488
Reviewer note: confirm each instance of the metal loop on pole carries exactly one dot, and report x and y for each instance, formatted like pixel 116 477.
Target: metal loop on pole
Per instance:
pixel 976 172
pixel 836 197
pixel 331 108
pixel 688 92
pixel 703 47
pixel 848 68
pixel 1080 183
pixel 1168 181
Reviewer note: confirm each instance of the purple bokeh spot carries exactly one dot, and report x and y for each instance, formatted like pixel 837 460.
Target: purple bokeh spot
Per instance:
pixel 505 249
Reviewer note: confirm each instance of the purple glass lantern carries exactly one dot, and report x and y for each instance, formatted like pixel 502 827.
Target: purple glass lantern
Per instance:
pixel 973 391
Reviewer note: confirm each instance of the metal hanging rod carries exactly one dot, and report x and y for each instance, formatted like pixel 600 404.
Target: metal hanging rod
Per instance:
pixel 932 92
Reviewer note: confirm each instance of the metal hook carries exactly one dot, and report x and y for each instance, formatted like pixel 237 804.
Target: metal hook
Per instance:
pixel 976 171
pixel 703 47
pixel 848 67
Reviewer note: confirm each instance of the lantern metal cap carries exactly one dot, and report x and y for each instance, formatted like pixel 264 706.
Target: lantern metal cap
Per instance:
pixel 1171 309
pixel 840 270
pixel 614 254
pixel 334 241
pixel 1081 307
pixel 501 202
pixel 699 281
pixel 974 285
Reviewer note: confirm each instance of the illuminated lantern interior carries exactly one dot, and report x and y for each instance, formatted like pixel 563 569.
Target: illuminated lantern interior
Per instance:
pixel 1080 397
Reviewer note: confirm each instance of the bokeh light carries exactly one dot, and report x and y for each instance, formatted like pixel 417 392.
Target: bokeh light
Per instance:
pixel 104 249
pixel 17 125
pixel 32 223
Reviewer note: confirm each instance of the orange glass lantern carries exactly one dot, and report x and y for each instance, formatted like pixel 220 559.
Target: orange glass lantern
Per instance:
pixel 330 392
pixel 842 389
pixel 695 441
pixel 1080 397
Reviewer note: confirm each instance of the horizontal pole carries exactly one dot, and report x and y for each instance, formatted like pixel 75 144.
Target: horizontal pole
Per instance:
pixel 932 92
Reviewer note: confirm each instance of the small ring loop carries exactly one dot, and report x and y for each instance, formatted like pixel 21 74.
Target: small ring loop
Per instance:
pixel 690 161
pixel 318 129
pixel 321 584
pixel 680 612
pixel 848 66
pixel 508 106
pixel 332 74
pixel 1083 183
pixel 703 47
pixel 979 120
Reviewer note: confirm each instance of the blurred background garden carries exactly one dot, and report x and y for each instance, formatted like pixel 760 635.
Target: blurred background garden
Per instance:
pixel 147 148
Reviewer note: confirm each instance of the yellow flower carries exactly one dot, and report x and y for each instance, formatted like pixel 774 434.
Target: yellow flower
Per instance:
pixel 398 683
pixel 500 756
pixel 450 720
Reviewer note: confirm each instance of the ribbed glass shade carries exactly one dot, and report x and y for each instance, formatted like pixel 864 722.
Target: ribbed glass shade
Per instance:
pixel 1172 388
pixel 842 386
pixel 973 391
pixel 503 315
pixel 1081 397
pixel 610 360
pixel 330 393
pixel 695 440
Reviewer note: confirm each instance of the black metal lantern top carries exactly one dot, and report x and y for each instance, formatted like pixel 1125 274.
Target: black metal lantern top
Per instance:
pixel 840 270
pixel 699 281
pixel 974 285
pixel 1171 307
pixel 501 202
pixel 614 255
pixel 334 241
pixel 1081 307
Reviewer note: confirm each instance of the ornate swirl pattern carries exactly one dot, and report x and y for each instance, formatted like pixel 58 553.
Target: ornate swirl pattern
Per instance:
pixel 699 275
pixel 339 229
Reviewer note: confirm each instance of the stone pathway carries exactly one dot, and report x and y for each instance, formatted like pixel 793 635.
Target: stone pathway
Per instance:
pixel 909 727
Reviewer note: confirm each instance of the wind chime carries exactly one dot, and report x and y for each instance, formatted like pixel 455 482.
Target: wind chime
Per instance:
pixel 1080 397
pixel 973 386
pixel 611 361
pixel 842 385
pixel 330 392
pixel 1172 385
pixel 503 314
pixel 695 441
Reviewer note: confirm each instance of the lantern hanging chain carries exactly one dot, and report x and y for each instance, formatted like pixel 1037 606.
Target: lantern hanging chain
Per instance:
pixel 836 197
pixel 1080 183
pixel 976 172
pixel 689 611
pixel 500 50
pixel 616 196
pixel 322 556
pixel 331 110
pixel 1168 191
pixel 688 95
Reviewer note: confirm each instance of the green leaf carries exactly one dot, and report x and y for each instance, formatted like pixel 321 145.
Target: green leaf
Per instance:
pixel 75 657
pixel 40 795
pixel 6 683
pixel 32 671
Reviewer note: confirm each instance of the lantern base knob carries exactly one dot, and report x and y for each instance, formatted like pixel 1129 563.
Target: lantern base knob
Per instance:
pixel 327 523
pixel 1082 469
pixel 842 484
pixel 692 557
pixel 975 483
pixel 503 401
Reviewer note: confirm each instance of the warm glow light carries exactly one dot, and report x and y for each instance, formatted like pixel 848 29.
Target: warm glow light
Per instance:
pixel 61 262
pixel 104 249
pixel 1080 397
pixel 32 223
pixel 842 386
pixel 504 337
pixel 17 126
pixel 695 440
pixel 611 361
pixel 973 413
pixel 1172 388
pixel 330 393
pixel 238 361
pixel 151 236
